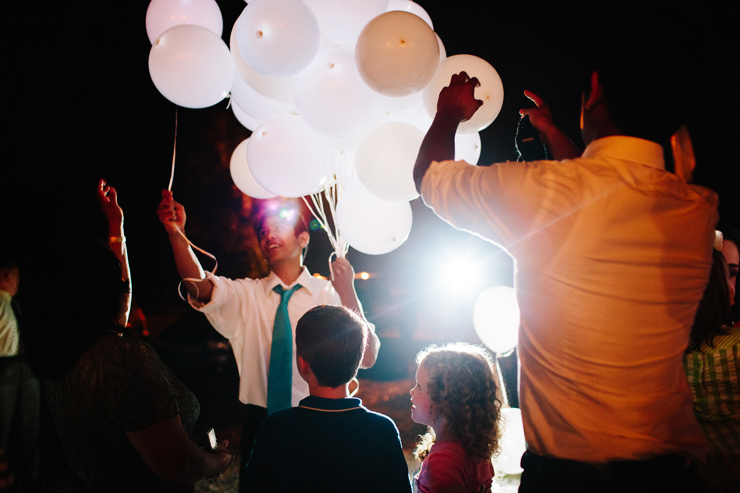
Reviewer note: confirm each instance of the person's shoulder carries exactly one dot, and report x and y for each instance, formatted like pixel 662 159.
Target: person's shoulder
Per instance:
pixel 379 420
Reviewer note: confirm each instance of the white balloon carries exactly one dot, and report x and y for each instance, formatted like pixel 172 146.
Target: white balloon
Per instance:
pixel 512 442
pixel 411 7
pixel 491 90
pixel 371 225
pixel 279 88
pixel 397 53
pixel 385 158
pixel 191 66
pixel 467 147
pixel 288 158
pixel 332 98
pixel 342 20
pixel 241 175
pixel 258 105
pixel 496 318
pixel 278 37
pixel 164 14
pixel 247 120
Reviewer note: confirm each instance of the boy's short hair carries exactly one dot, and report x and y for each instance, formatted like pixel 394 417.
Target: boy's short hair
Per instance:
pixel 331 339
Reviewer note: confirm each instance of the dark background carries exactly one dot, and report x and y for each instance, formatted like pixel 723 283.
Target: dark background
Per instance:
pixel 83 107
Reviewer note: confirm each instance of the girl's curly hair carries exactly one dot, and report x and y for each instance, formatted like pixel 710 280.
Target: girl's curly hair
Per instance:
pixel 463 390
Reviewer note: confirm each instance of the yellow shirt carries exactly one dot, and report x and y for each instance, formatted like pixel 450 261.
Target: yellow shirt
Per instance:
pixel 613 254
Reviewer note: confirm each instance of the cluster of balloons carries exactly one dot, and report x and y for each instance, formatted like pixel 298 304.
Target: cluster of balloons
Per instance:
pixel 333 96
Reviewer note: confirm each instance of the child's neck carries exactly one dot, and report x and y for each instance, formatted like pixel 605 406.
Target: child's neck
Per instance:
pixel 340 392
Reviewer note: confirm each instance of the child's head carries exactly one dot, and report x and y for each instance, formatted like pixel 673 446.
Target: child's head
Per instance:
pixel 456 390
pixel 331 339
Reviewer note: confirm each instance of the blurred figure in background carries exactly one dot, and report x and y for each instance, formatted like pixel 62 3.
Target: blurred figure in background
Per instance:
pixel 712 365
pixel 19 388
pixel 124 419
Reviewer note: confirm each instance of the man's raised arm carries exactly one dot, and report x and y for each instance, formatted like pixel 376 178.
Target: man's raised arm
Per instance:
pixel 455 105
pixel 172 216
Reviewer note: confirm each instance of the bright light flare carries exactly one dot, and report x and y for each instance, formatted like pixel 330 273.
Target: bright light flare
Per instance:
pixel 496 318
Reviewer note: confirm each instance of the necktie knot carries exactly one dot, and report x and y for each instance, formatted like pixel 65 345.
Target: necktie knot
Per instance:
pixel 285 294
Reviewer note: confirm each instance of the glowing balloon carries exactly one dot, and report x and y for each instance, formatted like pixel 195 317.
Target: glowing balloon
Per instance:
pixel 258 105
pixel 412 7
pixel 467 147
pixel 371 225
pixel 397 53
pixel 278 37
pixel 247 120
pixel 512 442
pixel 385 158
pixel 496 318
pixel 288 158
pixel 342 21
pixel 241 175
pixel 164 14
pixel 191 66
pixel 332 98
pixel 279 88
pixel 491 90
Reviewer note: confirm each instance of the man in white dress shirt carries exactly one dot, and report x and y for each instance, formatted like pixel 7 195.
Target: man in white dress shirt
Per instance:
pixel 613 253
pixel 243 310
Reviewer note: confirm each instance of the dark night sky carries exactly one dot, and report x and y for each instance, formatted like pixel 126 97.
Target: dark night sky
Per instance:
pixel 83 107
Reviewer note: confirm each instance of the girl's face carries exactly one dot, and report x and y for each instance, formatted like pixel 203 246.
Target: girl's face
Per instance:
pixel 421 403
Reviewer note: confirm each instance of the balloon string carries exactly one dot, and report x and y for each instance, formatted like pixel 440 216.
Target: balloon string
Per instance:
pixel 174 153
pixel 501 383
pixel 193 280
pixel 190 243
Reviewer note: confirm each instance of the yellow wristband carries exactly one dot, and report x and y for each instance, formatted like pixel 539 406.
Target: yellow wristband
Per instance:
pixel 117 239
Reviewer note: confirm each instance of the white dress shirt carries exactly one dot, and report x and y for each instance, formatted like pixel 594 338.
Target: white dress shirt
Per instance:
pixel 243 310
pixel 613 254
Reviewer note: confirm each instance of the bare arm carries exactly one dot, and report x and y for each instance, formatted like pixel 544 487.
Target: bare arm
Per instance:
pixel 559 145
pixel 344 284
pixel 455 105
pixel 170 454
pixel 172 216
pixel 108 199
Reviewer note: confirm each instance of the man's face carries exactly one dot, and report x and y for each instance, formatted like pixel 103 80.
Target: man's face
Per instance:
pixel 730 251
pixel 278 241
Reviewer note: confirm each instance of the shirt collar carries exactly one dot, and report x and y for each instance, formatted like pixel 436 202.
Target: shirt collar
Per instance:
pixel 304 279
pixel 322 403
pixel 639 151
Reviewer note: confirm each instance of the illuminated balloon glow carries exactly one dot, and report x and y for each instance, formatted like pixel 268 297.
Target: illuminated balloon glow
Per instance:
pixel 332 98
pixel 241 175
pixel 496 319
pixel 288 158
pixel 349 116
pixel 384 161
pixel 342 22
pixel 164 14
pixel 491 90
pixel 397 54
pixel 191 66
pixel 371 225
pixel 278 37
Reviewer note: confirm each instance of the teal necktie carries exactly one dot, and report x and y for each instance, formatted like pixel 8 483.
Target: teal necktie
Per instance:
pixel 280 377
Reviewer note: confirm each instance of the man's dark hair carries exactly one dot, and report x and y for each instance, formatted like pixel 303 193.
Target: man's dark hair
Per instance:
pixel 649 76
pixel 332 340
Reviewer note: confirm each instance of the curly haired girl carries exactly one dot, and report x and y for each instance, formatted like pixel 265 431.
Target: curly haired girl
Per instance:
pixel 457 397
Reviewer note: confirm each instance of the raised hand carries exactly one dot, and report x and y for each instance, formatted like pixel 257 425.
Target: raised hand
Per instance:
pixel 457 101
pixel 171 214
